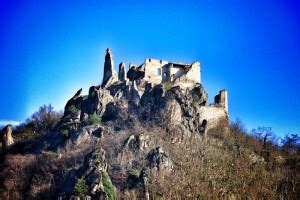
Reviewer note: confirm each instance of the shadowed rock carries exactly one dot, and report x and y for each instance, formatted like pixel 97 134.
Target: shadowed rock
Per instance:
pixel 159 160
pixel 122 74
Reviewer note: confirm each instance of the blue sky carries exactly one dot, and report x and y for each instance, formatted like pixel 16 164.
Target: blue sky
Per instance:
pixel 50 49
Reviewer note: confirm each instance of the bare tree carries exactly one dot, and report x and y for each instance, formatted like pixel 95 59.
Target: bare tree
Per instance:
pixel 44 119
pixel 265 135
pixel 291 143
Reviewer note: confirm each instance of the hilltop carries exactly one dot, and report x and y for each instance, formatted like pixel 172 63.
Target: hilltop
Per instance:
pixel 148 133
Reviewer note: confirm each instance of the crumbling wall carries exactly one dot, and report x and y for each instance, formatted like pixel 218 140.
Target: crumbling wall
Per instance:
pixel 212 114
pixel 193 73
pixel 153 70
pixel 176 72
pixel 222 99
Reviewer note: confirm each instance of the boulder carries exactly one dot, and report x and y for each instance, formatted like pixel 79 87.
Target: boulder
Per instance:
pixel 159 160
pixel 173 113
pixel 143 142
pixel 94 164
pixel 6 137
pixel 73 108
pixel 137 143
pixel 96 101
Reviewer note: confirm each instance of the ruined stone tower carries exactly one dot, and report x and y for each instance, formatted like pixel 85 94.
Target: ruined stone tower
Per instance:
pixel 108 72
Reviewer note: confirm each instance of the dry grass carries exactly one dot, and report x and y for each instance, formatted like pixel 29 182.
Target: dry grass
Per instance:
pixel 225 164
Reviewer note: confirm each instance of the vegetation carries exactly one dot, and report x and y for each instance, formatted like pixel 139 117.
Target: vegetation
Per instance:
pixel 93 119
pixel 80 188
pixel 168 86
pixel 227 163
pixel 40 123
pixel 133 178
pixel 109 189
pixel 71 109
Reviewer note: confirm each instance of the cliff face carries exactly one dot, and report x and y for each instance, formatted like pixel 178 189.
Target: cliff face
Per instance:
pixel 166 104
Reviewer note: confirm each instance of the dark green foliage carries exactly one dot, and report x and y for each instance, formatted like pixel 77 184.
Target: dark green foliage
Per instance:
pixel 93 119
pixel 109 189
pixel 133 178
pixel 80 188
pixel 71 109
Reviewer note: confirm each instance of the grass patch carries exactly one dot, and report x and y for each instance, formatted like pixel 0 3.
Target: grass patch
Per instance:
pixel 109 189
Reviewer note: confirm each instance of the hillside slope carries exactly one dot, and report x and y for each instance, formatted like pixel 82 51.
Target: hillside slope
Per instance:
pixel 140 141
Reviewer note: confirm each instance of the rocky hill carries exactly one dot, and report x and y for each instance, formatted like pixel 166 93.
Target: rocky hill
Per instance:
pixel 130 138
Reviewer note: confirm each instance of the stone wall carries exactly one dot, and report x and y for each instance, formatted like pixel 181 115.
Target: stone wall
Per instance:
pixel 153 70
pixel 222 99
pixel 176 72
pixel 194 73
pixel 212 114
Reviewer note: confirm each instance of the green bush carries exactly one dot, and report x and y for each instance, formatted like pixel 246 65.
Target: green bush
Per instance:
pixel 80 188
pixel 93 119
pixel 109 189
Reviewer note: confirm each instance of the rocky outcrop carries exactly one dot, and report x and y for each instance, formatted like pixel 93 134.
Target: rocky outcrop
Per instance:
pixel 137 143
pixel 94 163
pixel 173 113
pixel 122 73
pixel 159 160
pixel 135 73
pixel 93 166
pixel 6 137
pixel 73 107
pixel 95 102
pixel 108 74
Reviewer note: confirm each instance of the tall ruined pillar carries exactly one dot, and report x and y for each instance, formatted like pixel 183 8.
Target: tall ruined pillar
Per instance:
pixel 108 73
pixel 122 74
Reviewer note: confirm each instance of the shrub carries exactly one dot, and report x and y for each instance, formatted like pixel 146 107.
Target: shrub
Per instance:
pixel 93 119
pixel 40 122
pixel 71 109
pixel 167 86
pixel 133 178
pixel 109 189
pixel 80 188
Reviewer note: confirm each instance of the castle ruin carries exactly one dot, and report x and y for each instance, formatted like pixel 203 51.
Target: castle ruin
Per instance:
pixel 156 90
pixel 156 71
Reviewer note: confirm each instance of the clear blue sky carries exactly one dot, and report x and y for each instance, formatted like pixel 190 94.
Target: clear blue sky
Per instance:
pixel 49 49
